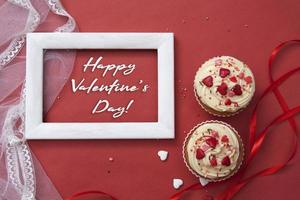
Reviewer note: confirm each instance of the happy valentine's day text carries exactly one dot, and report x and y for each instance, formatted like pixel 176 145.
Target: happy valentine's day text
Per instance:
pixel 103 105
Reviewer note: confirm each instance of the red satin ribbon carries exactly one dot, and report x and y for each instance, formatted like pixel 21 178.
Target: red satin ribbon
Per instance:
pixel 255 141
pixel 85 193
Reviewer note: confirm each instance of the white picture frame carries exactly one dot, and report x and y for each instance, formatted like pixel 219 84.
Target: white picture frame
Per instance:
pixel 35 128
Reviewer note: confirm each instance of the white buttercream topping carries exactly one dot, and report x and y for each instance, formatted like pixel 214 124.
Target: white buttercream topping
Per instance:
pixel 224 148
pixel 239 74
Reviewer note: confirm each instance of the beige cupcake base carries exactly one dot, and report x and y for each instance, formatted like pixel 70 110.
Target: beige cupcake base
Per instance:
pixel 240 159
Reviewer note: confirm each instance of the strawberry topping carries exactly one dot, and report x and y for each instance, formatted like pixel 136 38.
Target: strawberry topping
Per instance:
pixel 224 72
pixel 227 102
pixel 208 81
pixel 213 161
pixel 233 79
pixel 224 138
pixel 212 142
pixel 226 161
pixel 222 89
pixel 248 79
pixel 200 154
pixel 237 89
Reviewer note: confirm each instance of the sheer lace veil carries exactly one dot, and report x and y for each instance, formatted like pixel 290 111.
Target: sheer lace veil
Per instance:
pixel 21 175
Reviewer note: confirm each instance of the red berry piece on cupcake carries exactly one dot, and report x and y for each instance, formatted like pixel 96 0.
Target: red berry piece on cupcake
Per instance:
pixel 233 79
pixel 208 81
pixel 222 89
pixel 237 89
pixel 227 102
pixel 200 154
pixel 212 142
pixel 248 79
pixel 213 160
pixel 224 139
pixel 226 161
pixel 224 72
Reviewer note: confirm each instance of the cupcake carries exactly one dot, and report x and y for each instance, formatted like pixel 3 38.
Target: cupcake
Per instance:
pixel 213 150
pixel 224 86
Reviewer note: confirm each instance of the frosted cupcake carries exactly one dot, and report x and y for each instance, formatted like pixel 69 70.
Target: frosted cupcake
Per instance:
pixel 224 86
pixel 213 150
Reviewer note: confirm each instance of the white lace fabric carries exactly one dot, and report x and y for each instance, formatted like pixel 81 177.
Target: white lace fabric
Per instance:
pixel 21 175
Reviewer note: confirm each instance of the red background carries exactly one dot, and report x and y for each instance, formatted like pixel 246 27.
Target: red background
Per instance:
pixel 248 30
pixel 78 106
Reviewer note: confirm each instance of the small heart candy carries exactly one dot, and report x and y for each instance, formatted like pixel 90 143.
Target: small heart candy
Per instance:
pixel 224 72
pixel 237 89
pixel 222 89
pixel 213 161
pixel 212 142
pixel 208 81
pixel 203 181
pixel 233 79
pixel 227 102
pixel 248 79
pixel 200 154
pixel 163 155
pixel 226 161
pixel 224 138
pixel 177 183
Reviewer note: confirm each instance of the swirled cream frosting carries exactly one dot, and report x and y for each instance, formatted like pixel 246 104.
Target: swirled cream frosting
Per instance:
pixel 224 84
pixel 212 150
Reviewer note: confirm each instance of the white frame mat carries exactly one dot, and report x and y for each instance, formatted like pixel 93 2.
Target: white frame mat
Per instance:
pixel 35 128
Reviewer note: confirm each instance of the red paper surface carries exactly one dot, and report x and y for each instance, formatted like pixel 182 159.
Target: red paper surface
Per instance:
pixel 247 30
pixel 77 106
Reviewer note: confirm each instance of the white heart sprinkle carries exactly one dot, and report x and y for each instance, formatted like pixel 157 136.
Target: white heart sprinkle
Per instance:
pixel 163 155
pixel 177 183
pixel 203 181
